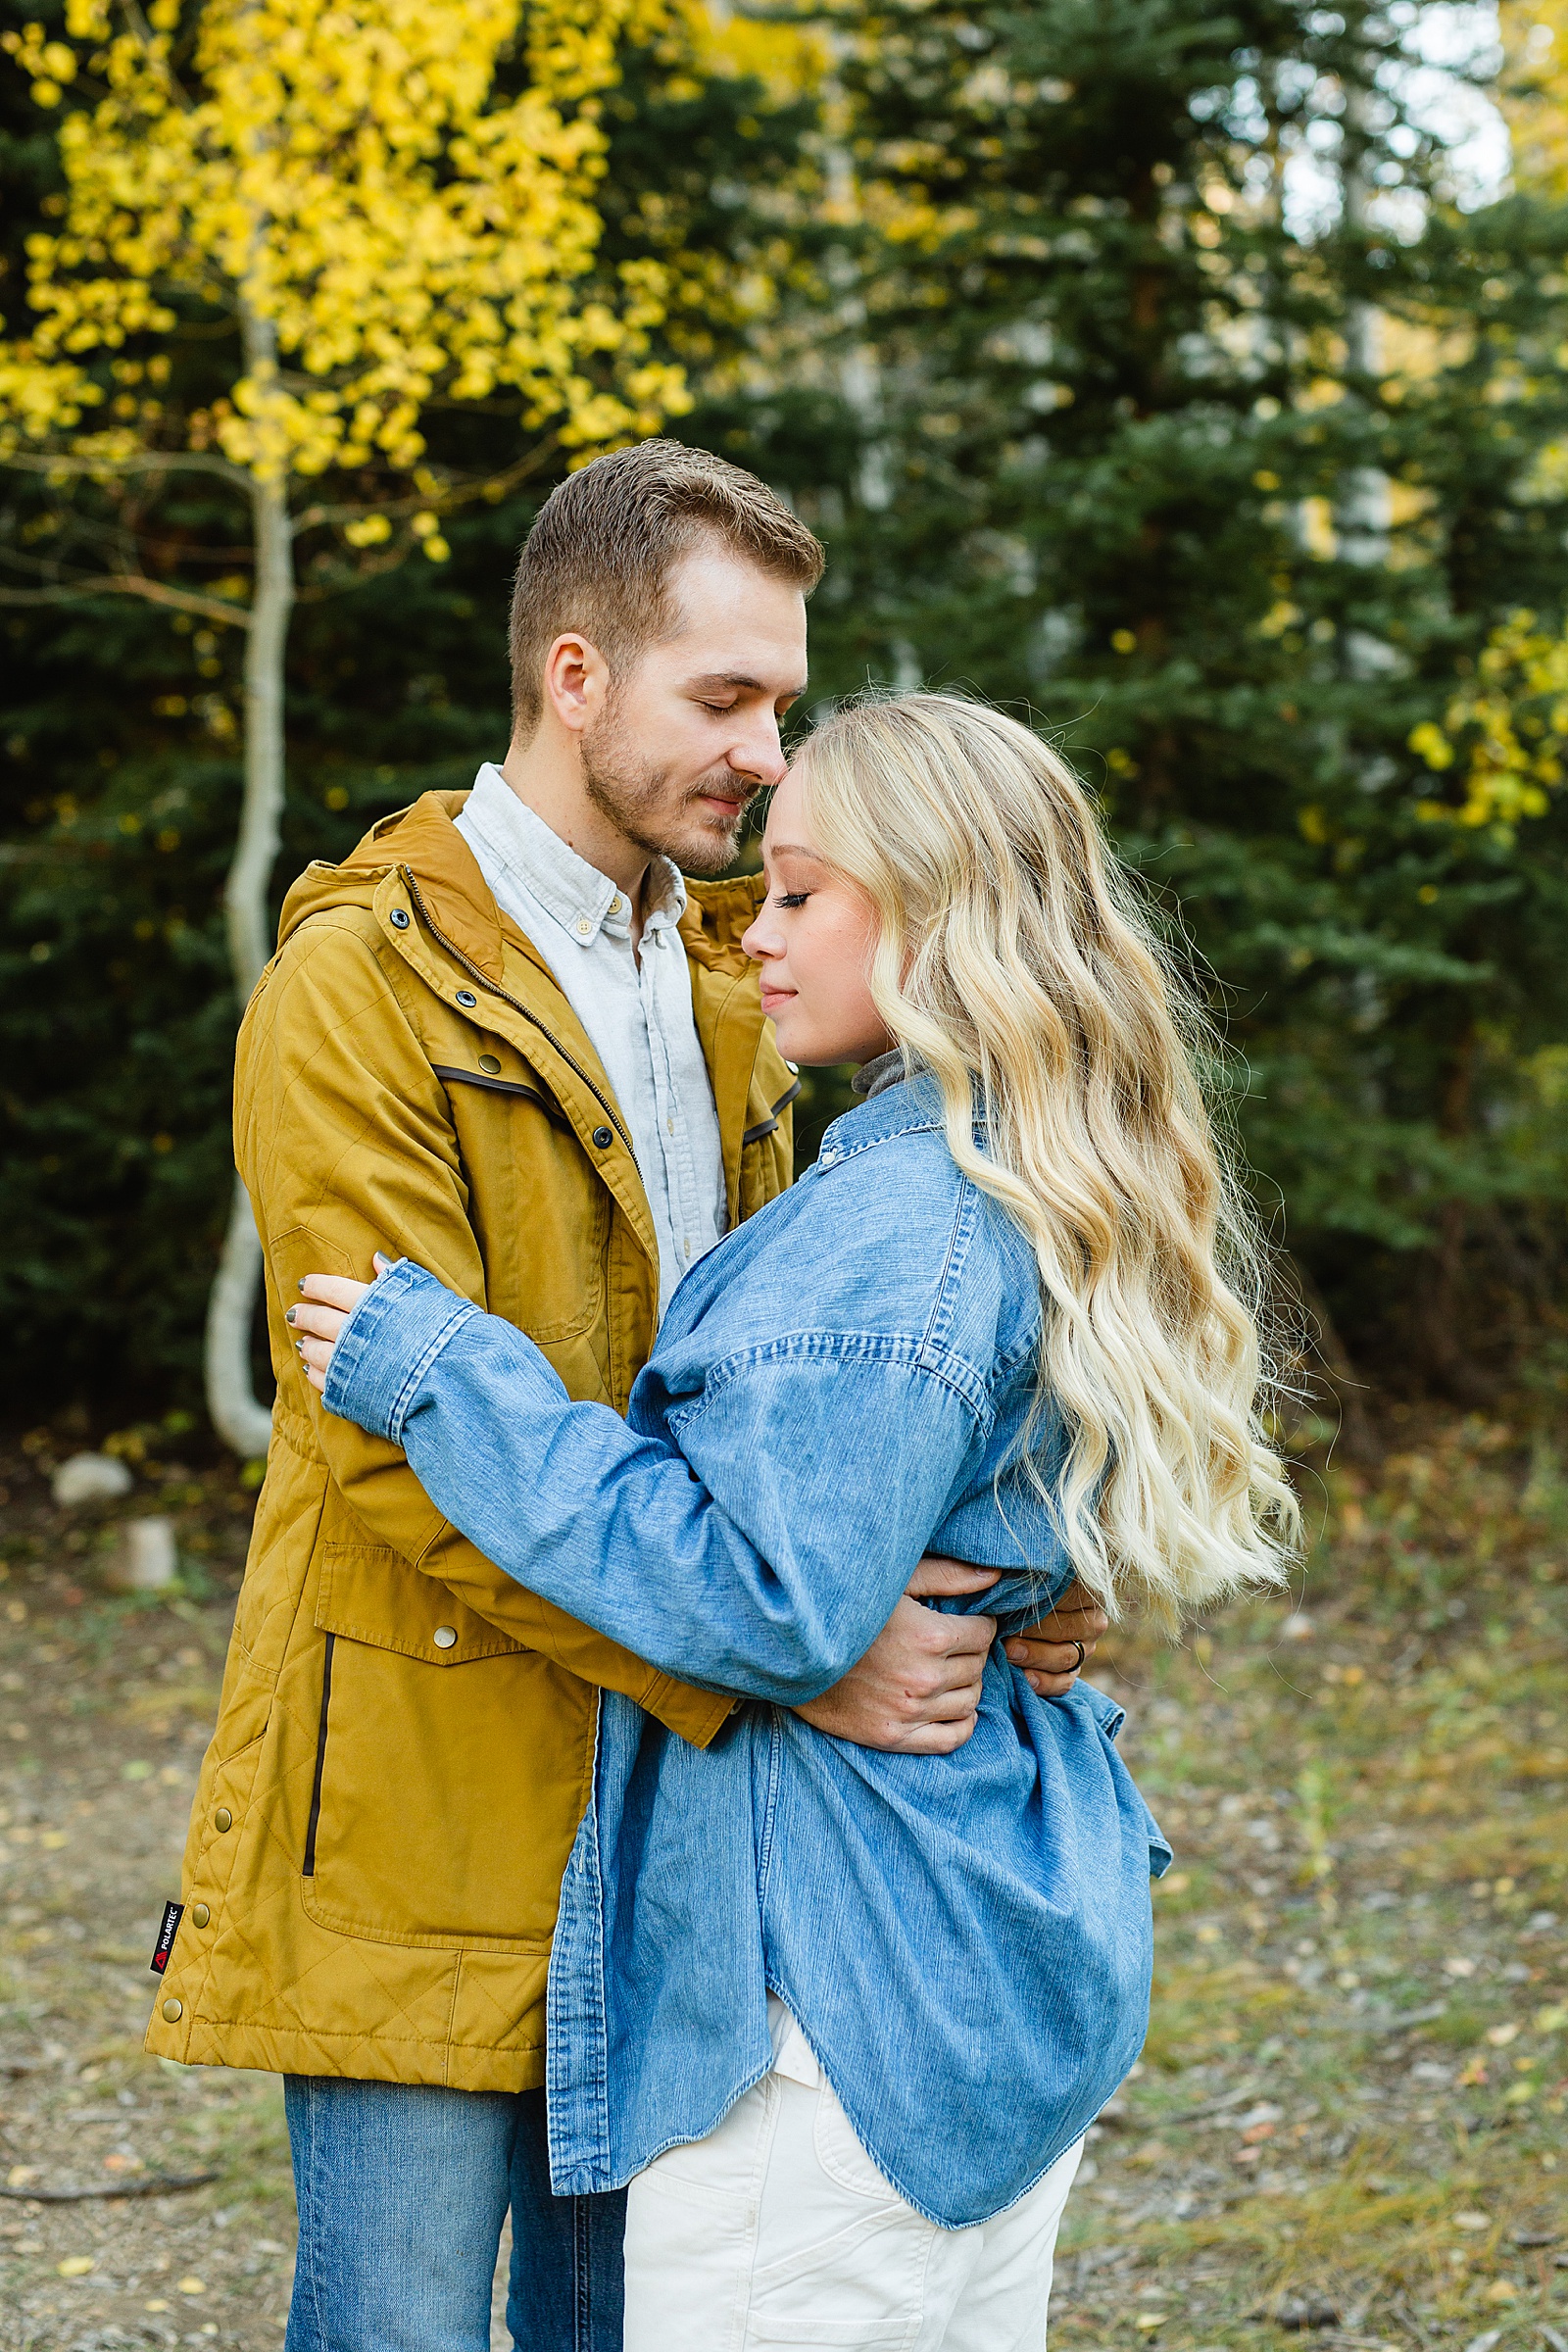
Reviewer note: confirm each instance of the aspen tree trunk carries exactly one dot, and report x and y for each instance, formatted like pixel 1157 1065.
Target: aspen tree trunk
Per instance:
pixel 239 1419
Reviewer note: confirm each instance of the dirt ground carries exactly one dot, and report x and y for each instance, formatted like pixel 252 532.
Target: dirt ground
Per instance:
pixel 1348 2120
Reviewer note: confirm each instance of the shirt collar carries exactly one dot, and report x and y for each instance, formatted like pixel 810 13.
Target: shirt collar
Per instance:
pixel 583 901
pixel 875 1077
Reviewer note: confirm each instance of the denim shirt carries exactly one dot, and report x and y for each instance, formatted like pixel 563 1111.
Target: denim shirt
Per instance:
pixel 839 1388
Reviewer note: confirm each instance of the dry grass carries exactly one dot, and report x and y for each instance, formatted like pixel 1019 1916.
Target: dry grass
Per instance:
pixel 1363 1945
pixel 1353 2092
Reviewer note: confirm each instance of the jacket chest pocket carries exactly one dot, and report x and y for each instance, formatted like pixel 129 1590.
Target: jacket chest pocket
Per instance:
pixel 450 1770
pixel 539 1209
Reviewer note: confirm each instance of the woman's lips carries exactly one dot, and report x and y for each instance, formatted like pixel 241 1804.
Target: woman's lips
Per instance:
pixel 773 998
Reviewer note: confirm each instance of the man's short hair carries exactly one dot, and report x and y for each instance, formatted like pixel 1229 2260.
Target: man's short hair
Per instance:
pixel 600 555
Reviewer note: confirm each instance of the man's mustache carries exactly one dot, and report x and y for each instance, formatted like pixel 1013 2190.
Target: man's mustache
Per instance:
pixel 724 784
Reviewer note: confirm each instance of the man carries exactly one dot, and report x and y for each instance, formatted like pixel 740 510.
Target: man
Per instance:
pixel 507 1038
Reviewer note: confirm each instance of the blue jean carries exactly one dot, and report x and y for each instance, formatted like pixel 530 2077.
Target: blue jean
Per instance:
pixel 402 2192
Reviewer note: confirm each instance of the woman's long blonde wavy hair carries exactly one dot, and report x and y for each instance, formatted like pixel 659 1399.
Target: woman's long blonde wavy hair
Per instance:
pixel 1011 952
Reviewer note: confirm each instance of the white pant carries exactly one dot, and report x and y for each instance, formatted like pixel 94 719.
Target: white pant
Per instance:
pixel 778 2229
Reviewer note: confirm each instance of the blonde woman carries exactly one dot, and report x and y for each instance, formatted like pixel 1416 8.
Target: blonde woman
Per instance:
pixel 842 2018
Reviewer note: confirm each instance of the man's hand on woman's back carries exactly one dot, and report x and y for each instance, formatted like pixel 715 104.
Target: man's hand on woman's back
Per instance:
pixel 917 1692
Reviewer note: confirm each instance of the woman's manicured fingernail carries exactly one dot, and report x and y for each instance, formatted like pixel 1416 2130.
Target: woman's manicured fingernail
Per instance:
pixel 300 1285
pixel 289 1313
pixel 299 1350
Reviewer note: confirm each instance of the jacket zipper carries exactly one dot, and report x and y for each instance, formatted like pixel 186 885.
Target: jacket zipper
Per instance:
pixel 308 1867
pixel 469 965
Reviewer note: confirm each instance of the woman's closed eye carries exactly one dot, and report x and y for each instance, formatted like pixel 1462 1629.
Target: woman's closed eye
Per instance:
pixel 791 897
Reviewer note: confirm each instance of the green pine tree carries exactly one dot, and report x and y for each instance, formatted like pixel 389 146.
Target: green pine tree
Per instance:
pixel 1111 431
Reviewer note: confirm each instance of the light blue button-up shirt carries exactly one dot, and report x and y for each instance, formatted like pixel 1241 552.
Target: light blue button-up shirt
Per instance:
pixel 841 1387
pixel 636 1007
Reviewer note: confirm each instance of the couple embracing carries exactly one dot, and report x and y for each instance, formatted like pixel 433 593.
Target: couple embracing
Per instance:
pixel 653 1791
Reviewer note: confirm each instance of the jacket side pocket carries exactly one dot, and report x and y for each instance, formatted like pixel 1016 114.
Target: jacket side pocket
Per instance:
pixel 308 1867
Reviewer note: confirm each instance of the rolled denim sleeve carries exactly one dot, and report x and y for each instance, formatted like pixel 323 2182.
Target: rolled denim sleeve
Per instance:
pixel 388 1343
pixel 763 1557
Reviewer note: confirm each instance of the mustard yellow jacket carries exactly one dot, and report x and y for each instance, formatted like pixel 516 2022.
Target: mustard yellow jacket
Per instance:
pixel 405 1736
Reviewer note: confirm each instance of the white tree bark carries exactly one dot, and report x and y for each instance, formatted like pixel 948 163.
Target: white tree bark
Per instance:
pixel 239 1419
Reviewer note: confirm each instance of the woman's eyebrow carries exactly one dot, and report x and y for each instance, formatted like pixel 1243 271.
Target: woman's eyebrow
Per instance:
pixel 795 849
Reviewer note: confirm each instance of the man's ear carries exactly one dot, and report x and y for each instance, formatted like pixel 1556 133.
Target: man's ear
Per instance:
pixel 575 682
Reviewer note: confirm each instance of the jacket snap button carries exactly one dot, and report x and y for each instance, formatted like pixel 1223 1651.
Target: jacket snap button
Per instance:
pixel 173 2011
pixel 399 918
pixel 223 1819
pixel 200 1915
pixel 604 1137
pixel 467 999
pixel 489 1065
pixel 444 1636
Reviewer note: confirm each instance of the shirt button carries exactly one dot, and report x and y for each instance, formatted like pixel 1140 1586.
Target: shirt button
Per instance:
pixel 199 1915
pixel 173 2011
pixel 445 1637
pixel 585 929
pixel 687 1246
pixel 222 1820
pixel 615 906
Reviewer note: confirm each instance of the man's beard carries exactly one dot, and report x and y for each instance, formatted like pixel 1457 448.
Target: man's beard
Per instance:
pixel 634 791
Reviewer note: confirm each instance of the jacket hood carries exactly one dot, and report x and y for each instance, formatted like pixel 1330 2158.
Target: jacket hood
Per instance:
pixel 424 839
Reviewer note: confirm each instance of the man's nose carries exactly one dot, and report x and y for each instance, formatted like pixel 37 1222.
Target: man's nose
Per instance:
pixel 760 753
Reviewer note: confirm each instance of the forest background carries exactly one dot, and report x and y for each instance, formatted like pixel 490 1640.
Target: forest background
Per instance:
pixel 1168 374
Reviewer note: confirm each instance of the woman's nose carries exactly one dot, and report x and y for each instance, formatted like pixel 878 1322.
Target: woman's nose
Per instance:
pixel 757 942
